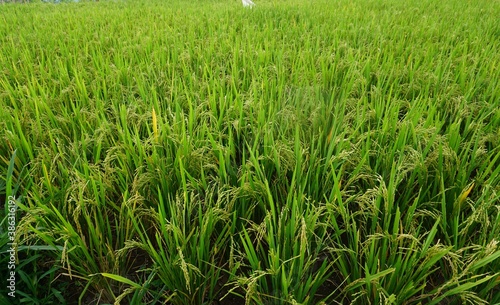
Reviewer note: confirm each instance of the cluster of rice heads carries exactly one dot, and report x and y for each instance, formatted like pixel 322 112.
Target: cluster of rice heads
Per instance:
pixel 296 153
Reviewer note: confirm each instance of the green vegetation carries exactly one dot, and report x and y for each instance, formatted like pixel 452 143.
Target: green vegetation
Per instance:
pixel 196 152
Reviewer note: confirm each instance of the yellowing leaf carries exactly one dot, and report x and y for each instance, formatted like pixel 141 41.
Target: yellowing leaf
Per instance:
pixel 461 199
pixel 155 125
pixel 329 138
pixel 464 195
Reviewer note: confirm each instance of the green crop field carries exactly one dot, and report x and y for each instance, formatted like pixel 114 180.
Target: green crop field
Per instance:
pixel 297 152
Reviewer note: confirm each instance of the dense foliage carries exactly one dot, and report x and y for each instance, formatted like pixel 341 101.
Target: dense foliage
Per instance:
pixel 295 153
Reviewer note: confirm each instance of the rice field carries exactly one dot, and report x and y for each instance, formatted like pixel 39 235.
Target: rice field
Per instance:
pixel 298 152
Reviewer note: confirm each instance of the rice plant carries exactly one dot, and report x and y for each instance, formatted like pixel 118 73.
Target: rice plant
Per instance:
pixel 341 152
